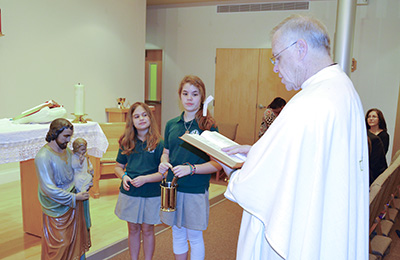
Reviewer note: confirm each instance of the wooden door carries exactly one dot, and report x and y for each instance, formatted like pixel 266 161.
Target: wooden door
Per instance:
pixel 236 82
pixel 396 136
pixel 269 87
pixel 245 85
pixel 153 82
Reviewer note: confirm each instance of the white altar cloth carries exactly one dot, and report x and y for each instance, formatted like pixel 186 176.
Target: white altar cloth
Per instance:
pixel 21 142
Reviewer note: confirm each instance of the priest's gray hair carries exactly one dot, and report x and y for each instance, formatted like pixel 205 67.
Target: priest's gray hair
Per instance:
pixel 308 28
pixel 56 127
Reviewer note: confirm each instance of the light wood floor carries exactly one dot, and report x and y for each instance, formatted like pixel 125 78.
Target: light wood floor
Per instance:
pixel 106 227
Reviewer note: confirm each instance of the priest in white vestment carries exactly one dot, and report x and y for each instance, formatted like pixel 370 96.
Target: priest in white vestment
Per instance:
pixel 304 185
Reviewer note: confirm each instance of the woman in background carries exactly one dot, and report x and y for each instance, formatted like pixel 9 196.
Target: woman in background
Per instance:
pixel 377 159
pixel 376 124
pixel 193 168
pixel 270 114
pixel 378 143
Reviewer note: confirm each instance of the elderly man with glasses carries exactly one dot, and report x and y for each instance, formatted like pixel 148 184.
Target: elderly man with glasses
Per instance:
pixel 304 185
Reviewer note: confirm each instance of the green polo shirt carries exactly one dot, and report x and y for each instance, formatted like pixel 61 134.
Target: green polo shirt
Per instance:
pixel 181 152
pixel 142 162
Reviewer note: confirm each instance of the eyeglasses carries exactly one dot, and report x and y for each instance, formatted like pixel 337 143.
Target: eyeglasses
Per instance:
pixel 273 58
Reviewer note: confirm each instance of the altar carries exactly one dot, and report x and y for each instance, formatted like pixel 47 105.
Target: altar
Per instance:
pixel 21 142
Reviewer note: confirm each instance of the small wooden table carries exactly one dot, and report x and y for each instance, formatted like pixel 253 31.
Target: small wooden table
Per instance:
pixel 115 114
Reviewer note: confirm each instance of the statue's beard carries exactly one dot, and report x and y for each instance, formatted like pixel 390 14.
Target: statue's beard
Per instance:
pixel 62 145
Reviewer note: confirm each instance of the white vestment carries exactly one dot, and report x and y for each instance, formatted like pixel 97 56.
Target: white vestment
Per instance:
pixel 305 182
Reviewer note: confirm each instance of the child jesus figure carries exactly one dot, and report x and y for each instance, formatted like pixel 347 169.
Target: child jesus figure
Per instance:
pixel 83 169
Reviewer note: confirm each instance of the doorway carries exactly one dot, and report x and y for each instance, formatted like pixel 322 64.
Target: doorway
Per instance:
pixel 244 86
pixel 153 82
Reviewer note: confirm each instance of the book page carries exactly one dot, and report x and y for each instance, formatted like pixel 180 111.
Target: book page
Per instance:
pixel 210 143
pixel 221 141
pixel 213 148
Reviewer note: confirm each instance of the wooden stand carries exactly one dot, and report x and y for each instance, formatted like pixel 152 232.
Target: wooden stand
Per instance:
pixel 95 190
pixel 115 114
pixel 31 208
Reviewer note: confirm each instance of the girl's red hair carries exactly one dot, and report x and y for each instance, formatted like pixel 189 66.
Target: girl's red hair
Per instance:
pixel 205 122
pixel 128 139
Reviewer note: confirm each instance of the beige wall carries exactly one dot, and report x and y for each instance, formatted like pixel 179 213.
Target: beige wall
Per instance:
pixel 189 37
pixel 377 50
pixel 49 46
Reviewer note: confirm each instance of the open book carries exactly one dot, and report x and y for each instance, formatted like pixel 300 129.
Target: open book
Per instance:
pixel 212 142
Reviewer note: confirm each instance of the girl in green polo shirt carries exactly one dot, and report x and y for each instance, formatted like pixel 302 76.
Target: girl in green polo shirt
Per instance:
pixel 193 168
pixel 138 158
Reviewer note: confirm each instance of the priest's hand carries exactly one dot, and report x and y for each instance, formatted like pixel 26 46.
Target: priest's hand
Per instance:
pixel 244 149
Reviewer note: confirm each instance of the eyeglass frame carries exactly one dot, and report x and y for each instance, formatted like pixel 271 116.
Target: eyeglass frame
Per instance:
pixel 273 58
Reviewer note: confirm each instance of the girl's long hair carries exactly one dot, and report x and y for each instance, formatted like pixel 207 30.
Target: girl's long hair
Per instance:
pixel 128 139
pixel 205 122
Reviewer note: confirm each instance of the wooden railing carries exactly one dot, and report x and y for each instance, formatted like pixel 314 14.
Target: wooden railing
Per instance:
pixel 384 204
pixel 104 167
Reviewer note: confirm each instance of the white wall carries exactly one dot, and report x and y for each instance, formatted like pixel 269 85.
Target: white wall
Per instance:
pixel 189 37
pixel 51 45
pixel 377 50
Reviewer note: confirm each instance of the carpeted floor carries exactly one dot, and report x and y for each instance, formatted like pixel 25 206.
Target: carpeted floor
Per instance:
pixel 220 238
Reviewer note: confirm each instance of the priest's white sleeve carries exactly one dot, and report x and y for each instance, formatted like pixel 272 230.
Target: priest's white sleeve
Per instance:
pixel 232 181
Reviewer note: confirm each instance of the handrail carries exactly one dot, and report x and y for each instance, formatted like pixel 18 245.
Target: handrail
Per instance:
pixel 382 188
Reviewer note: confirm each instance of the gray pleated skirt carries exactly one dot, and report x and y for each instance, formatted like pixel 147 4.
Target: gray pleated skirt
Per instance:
pixel 138 210
pixel 192 211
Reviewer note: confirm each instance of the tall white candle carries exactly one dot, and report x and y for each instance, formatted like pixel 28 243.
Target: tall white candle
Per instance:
pixel 79 99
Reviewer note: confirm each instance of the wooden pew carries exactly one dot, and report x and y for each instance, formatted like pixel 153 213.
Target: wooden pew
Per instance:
pixel 384 194
pixel 104 167
pixel 379 244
